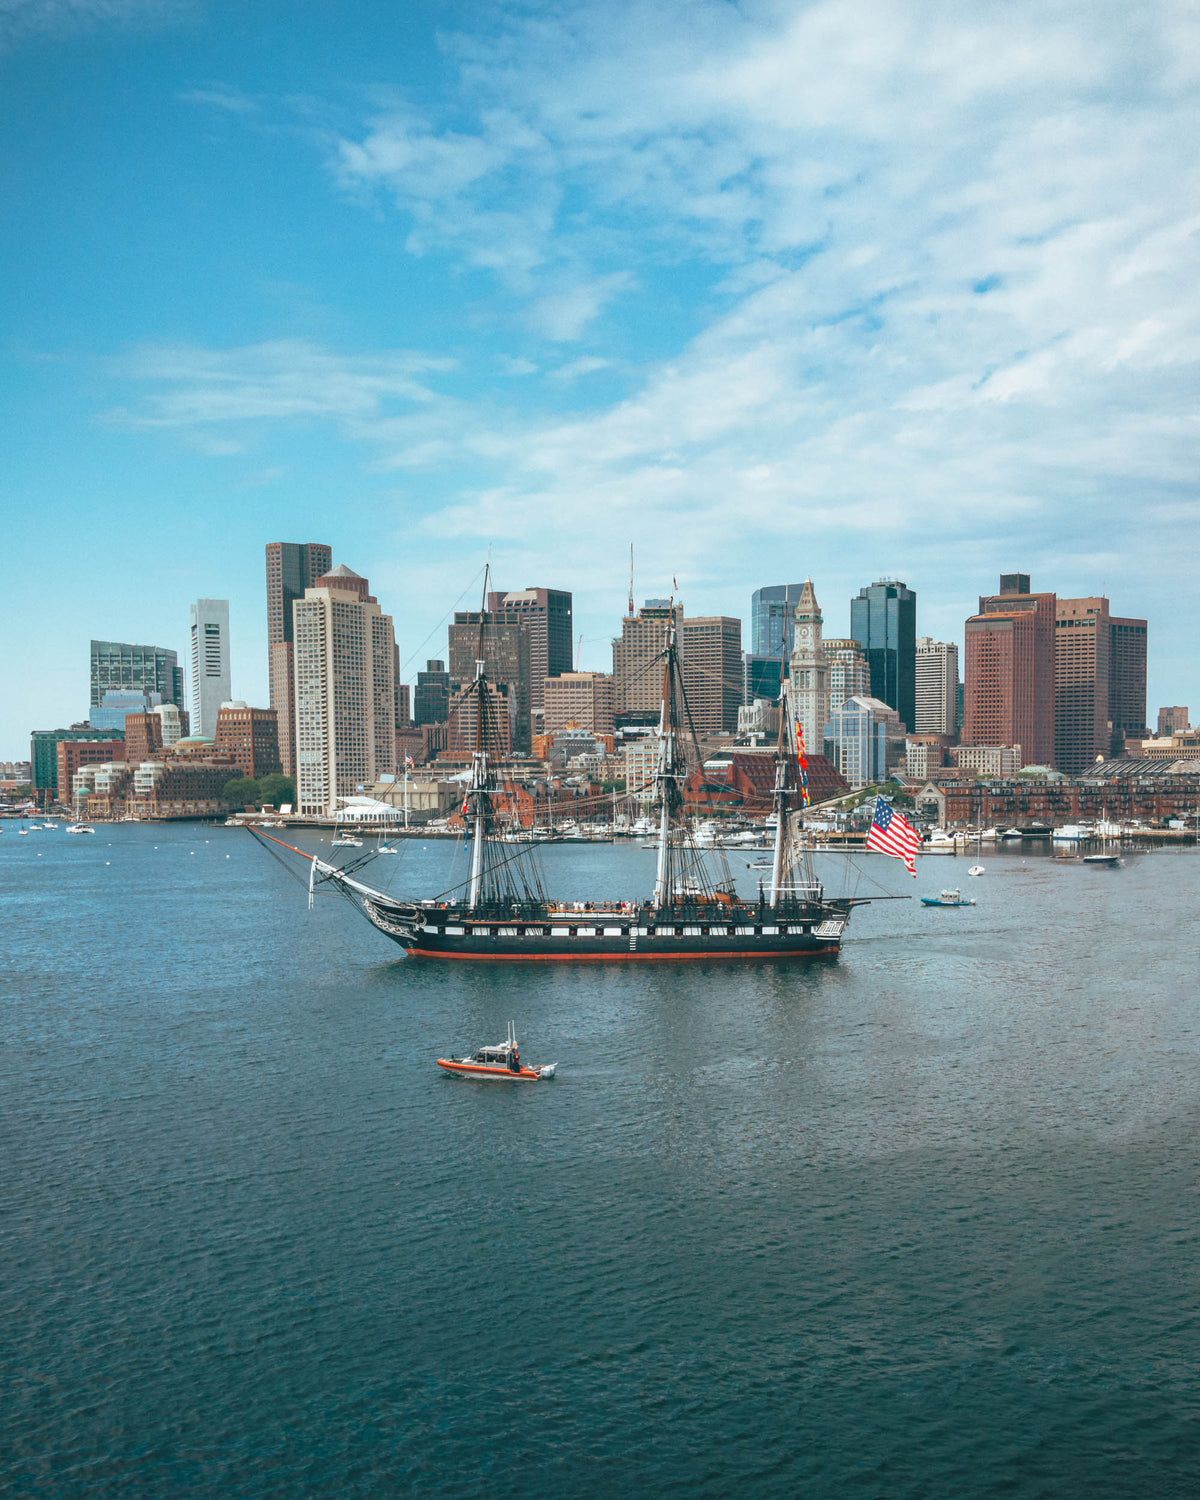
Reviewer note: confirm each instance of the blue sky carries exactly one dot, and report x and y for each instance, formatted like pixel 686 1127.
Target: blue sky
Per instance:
pixel 840 289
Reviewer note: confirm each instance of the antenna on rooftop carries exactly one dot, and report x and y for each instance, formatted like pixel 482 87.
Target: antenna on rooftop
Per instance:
pixel 631 580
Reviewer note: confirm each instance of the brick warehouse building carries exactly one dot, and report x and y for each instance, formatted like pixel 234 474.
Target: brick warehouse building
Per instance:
pixel 1132 790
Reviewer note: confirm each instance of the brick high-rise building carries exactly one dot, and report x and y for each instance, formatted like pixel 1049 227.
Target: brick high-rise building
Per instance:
pixel 548 613
pixel 712 671
pixel 1100 682
pixel 936 686
pixel 292 568
pixel 1009 671
pixel 584 699
pixel 1172 721
pixel 637 686
pixel 883 620
pixel 251 736
pixel 143 738
pixel 345 706
pixel 505 646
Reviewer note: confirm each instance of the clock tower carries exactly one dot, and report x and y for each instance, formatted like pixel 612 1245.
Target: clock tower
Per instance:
pixel 808 689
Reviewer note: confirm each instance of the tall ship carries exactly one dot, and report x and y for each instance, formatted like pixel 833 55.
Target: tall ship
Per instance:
pixel 501 913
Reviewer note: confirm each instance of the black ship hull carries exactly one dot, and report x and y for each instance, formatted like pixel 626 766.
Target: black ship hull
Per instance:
pixel 610 936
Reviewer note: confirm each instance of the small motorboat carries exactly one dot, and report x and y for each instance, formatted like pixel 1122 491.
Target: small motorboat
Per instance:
pixel 79 828
pixel 975 870
pixel 499 1064
pixel 1113 861
pixel 947 898
pixel 346 842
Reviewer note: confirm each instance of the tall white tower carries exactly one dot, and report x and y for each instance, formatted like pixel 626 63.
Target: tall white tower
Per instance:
pixel 809 672
pixel 210 662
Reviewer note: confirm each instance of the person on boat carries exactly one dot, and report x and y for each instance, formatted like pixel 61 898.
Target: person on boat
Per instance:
pixel 514 1061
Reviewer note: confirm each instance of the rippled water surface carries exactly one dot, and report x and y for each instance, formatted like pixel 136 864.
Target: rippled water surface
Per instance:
pixel 921 1222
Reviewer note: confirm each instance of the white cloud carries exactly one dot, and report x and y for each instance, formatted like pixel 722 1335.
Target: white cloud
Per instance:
pixel 21 19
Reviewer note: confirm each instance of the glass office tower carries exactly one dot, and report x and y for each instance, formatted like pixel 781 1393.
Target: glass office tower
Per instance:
pixel 883 620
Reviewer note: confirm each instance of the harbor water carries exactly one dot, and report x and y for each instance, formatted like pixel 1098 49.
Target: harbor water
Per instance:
pixel 919 1222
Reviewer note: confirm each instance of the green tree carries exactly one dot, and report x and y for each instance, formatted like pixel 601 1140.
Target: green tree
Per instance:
pixel 240 792
pixel 277 788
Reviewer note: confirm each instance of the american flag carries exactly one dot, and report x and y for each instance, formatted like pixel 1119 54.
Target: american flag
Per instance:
pixel 892 833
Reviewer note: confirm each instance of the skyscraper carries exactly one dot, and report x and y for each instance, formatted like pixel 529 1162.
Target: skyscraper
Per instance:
pixel 808 673
pixel 505 645
pixel 883 620
pixel 772 618
pixel 1100 681
pixel 637 689
pixel 210 663
pixel 1009 671
pixel 936 687
pixel 345 705
pixel 1127 682
pixel 292 567
pixel 849 675
pixel 148 669
pixel 712 671
pixel 431 699
pixel 547 613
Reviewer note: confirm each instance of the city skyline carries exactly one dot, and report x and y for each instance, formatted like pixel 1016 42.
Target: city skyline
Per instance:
pixel 417 282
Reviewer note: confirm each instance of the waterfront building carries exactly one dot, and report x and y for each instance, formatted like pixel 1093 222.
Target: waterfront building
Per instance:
pixel 883 620
pixel 505 645
pixel 117 665
pixel 1172 721
pixel 637 689
pixel 584 699
pixel 867 739
pixel 44 785
pixel 547 614
pixel 936 686
pixel 292 569
pixel 251 736
pixel 849 674
pixel 1009 670
pixel 431 700
pixel 712 671
pixel 345 704
pixel 117 703
pixel 772 621
pixel 210 662
pixel 808 672
pixel 73 755
pixel 761 676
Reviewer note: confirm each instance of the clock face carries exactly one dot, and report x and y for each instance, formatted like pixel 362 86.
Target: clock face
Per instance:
pixel 805 634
